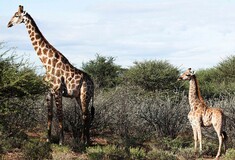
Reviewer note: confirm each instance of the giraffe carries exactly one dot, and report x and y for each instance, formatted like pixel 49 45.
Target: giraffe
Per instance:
pixel 62 77
pixel 201 115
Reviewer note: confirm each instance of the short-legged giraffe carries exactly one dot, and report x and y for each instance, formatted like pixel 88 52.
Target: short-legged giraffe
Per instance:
pixel 201 115
pixel 63 78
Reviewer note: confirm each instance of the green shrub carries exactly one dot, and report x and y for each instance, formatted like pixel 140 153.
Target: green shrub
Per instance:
pixel 230 154
pixel 153 75
pixel 210 148
pixel 219 80
pixel 105 73
pixel 173 145
pixel 36 150
pixel 20 87
pixel 137 153
pixel 106 152
pixel 10 142
pixel 186 153
pixel 63 152
pixel 95 153
pixel 114 152
pixel 161 155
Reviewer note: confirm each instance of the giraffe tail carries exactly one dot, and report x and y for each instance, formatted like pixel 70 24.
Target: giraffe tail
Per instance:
pixel 225 136
pixel 223 133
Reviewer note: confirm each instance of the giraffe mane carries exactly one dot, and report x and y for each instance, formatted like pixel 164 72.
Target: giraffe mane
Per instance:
pixel 42 36
pixel 198 90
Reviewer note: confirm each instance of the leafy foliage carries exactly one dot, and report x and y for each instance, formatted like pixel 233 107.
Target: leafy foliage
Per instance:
pixel 37 150
pixel 114 152
pixel 104 72
pixel 20 86
pixel 161 155
pixel 218 81
pixel 153 75
pixel 17 79
pixel 230 154
pixel 226 69
pixel 208 83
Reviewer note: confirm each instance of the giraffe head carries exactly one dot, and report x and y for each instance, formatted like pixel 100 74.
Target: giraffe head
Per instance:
pixel 187 75
pixel 18 17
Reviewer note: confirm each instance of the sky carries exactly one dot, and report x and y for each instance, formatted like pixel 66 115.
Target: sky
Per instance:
pixel 187 33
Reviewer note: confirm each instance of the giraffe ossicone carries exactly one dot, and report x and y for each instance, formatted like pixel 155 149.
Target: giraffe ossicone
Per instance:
pixel 63 78
pixel 201 115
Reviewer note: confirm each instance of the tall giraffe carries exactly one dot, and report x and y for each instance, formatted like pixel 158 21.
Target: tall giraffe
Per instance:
pixel 63 78
pixel 201 115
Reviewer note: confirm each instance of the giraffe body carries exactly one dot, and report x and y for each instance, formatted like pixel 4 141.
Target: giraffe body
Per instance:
pixel 62 77
pixel 201 115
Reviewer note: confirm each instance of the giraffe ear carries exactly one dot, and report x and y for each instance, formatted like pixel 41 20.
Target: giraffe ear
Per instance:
pixel 21 9
pixel 193 73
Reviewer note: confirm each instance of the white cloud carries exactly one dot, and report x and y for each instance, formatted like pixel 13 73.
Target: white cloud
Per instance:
pixel 193 33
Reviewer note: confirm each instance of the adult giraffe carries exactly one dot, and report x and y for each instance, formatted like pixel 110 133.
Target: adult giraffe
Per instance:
pixel 63 78
pixel 201 115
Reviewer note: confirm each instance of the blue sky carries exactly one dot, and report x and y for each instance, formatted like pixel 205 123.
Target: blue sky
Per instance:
pixel 187 33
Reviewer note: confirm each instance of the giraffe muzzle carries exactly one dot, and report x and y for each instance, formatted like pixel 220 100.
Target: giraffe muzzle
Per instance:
pixel 180 79
pixel 9 25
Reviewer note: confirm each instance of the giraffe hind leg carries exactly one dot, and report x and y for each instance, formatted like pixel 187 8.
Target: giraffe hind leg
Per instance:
pixel 220 144
pixel 83 118
pixel 49 100
pixel 195 137
pixel 58 100
pixel 218 130
pixel 86 118
pixel 86 126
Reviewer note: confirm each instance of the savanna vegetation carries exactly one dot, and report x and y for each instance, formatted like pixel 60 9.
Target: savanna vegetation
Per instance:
pixel 141 112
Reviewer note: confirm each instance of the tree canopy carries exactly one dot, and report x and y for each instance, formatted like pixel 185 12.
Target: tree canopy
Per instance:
pixel 219 80
pixel 104 71
pixel 20 87
pixel 153 75
pixel 17 79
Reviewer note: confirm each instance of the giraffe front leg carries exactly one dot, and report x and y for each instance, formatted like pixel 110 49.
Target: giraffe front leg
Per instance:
pixel 220 137
pixel 49 100
pixel 195 137
pixel 220 144
pixel 199 133
pixel 58 101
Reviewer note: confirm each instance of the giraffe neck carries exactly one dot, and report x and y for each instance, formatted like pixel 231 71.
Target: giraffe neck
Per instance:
pixel 48 55
pixel 194 93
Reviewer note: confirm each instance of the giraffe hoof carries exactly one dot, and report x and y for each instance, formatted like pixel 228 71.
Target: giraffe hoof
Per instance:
pixel 61 142
pixel 48 140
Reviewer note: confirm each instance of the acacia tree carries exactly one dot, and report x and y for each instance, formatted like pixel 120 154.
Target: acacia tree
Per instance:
pixel 153 75
pixel 219 80
pixel 20 86
pixel 226 69
pixel 104 71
